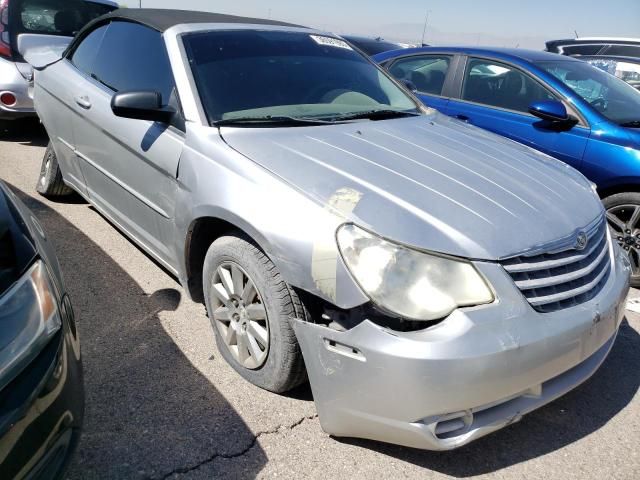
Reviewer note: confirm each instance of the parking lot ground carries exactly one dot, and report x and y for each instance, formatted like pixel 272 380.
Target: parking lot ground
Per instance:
pixel 161 402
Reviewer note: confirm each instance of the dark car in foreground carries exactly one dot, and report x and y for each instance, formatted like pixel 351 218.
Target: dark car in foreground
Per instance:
pixel 41 390
pixel 558 105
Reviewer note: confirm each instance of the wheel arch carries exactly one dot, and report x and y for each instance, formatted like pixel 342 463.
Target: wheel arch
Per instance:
pixel 202 232
pixel 619 186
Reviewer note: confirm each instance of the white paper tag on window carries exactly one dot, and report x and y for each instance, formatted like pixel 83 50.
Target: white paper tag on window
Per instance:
pixel 330 42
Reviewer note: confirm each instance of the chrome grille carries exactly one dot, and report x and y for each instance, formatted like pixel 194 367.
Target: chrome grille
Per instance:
pixel 564 277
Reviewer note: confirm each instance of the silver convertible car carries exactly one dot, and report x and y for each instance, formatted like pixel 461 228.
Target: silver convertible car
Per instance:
pixel 433 281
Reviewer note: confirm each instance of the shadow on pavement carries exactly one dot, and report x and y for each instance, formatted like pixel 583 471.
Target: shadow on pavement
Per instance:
pixel 567 420
pixel 26 131
pixel 150 412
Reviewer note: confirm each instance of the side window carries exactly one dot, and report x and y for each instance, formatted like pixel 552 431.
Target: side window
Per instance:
pixel 86 52
pixel 134 57
pixel 426 72
pixel 499 85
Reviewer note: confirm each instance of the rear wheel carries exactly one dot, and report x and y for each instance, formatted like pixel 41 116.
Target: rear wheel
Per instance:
pixel 50 182
pixel 250 307
pixel 623 216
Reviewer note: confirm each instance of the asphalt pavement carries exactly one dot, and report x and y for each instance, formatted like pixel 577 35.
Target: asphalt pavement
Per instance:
pixel 162 403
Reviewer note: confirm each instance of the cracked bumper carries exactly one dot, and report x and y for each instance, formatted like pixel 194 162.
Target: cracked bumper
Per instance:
pixel 476 372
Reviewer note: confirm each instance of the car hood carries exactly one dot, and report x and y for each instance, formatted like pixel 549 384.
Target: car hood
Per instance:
pixel 431 182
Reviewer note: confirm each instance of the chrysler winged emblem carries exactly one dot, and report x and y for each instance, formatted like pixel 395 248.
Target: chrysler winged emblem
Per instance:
pixel 581 241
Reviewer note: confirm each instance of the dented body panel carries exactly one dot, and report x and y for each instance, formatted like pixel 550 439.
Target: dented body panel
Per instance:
pixel 296 232
pixel 428 182
pixel 479 370
pixel 431 182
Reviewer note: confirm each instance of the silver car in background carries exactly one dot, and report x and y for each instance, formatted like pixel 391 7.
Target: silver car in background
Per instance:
pixel 26 24
pixel 438 281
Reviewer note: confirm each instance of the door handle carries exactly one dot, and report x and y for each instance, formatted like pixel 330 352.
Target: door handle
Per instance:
pixel 83 101
pixel 464 118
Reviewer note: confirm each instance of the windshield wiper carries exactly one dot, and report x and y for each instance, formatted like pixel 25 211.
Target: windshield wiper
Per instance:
pixel 279 120
pixel 376 115
pixel 631 124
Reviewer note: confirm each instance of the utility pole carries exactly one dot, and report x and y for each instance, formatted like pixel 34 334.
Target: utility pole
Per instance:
pixel 424 30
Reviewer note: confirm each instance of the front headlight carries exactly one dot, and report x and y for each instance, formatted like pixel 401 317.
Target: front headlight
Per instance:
pixel 29 318
pixel 409 283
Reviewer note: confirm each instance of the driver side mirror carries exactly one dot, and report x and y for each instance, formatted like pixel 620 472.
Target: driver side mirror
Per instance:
pixel 141 105
pixel 551 111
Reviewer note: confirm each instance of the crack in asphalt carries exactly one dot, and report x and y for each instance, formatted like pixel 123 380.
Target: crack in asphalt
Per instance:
pixel 274 431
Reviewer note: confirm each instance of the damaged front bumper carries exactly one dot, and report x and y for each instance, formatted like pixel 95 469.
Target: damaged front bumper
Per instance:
pixel 479 370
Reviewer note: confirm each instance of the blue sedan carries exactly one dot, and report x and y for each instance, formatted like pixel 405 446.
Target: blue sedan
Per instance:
pixel 556 104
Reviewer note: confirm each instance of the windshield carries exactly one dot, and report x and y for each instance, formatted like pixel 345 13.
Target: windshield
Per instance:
pixel 261 74
pixel 613 98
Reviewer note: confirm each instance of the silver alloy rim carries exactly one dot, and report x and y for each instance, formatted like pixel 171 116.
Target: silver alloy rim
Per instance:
pixel 239 315
pixel 624 221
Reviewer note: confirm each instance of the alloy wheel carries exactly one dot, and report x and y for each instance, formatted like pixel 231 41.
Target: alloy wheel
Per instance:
pixel 239 315
pixel 624 221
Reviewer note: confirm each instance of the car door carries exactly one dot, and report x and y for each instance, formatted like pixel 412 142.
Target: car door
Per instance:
pixel 54 96
pixel 130 165
pixel 496 96
pixel 428 73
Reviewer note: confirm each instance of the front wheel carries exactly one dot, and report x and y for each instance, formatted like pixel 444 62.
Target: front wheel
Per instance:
pixel 50 182
pixel 250 307
pixel 623 216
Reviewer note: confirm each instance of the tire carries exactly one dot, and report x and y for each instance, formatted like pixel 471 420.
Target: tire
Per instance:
pixel 278 366
pixel 623 216
pixel 50 182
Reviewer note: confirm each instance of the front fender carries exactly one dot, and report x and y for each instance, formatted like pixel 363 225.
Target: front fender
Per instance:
pixel 297 233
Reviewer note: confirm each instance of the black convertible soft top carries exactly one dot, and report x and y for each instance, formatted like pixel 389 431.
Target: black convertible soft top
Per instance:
pixel 162 20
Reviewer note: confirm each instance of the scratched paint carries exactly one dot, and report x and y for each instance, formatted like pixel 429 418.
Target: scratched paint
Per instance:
pixel 324 260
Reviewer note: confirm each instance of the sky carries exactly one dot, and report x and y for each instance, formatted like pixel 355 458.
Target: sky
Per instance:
pixel 526 24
